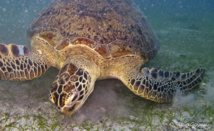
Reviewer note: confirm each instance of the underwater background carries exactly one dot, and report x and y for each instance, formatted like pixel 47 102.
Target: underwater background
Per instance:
pixel 185 29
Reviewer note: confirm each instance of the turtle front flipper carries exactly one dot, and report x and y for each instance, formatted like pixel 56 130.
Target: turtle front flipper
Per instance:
pixel 17 64
pixel 160 86
pixel 71 88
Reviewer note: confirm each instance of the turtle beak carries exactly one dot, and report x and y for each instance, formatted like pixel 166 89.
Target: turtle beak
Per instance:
pixel 68 110
pixel 70 104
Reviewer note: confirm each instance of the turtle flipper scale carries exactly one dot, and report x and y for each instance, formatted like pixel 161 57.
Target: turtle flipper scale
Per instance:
pixel 17 64
pixel 160 86
pixel 71 88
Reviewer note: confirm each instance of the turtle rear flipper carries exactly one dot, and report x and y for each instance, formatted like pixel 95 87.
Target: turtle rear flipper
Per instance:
pixel 160 86
pixel 17 64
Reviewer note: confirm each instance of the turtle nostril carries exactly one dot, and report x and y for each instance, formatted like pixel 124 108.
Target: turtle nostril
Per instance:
pixel 62 99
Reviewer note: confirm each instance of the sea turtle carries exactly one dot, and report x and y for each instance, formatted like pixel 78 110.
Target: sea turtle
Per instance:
pixel 90 40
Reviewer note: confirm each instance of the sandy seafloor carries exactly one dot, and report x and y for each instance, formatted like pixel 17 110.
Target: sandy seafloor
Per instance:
pixel 186 34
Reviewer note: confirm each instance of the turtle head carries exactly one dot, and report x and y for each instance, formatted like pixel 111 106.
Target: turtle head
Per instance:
pixel 70 89
pixel 66 102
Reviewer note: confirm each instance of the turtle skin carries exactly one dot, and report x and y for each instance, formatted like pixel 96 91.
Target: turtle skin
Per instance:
pixel 88 40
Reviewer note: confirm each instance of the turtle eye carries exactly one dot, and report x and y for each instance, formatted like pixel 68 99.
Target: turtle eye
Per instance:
pixel 74 96
pixel 70 99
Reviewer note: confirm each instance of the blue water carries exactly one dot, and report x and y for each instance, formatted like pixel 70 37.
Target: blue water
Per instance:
pixel 185 29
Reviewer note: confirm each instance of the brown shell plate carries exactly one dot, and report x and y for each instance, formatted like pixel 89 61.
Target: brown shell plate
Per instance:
pixel 110 27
